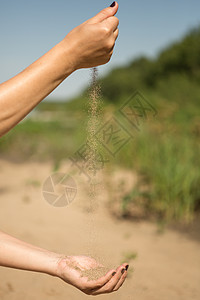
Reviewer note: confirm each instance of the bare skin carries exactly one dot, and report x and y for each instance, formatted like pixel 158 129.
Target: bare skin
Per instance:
pixel 88 45
pixel 17 254
pixel 109 283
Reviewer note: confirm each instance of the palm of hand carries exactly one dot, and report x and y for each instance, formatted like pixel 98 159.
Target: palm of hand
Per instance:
pixel 71 268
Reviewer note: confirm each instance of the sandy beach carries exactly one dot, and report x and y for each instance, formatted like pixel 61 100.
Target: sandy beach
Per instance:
pixel 167 265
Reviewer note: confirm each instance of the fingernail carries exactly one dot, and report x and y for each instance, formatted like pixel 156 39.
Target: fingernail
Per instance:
pixel 113 274
pixel 113 4
pixel 123 270
pixel 126 267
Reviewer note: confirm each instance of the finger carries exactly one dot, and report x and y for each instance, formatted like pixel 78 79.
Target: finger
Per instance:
pixel 121 281
pixel 116 34
pixel 110 285
pixel 112 23
pixel 104 14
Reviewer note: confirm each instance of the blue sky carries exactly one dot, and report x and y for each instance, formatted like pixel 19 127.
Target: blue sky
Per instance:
pixel 30 28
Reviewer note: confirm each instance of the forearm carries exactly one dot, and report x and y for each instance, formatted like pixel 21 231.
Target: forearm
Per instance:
pixel 20 255
pixel 20 94
pixel 88 45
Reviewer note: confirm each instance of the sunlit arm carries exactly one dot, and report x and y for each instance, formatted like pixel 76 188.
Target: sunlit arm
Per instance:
pixel 20 94
pixel 88 45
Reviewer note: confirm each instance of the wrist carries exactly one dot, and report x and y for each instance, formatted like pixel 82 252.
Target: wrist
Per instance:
pixel 60 266
pixel 68 57
pixel 51 264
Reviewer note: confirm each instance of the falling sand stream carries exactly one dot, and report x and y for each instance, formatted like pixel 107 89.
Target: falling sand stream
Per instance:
pixel 91 156
pixel 94 119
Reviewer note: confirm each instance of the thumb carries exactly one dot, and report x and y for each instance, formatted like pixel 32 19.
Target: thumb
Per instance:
pixel 105 13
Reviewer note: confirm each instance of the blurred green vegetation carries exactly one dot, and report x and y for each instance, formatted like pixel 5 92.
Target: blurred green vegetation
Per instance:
pixel 166 150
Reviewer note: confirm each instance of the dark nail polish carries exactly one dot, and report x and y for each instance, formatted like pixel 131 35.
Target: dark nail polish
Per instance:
pixel 113 4
pixel 123 270
pixel 126 267
pixel 113 274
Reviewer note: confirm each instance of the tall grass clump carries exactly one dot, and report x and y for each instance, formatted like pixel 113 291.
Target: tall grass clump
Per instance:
pixel 168 166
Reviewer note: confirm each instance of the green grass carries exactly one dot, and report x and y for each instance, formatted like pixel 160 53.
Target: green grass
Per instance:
pixel 172 167
pixel 38 140
pixel 165 153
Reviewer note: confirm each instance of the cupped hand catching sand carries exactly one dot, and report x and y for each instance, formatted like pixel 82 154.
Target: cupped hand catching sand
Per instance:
pixel 82 272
